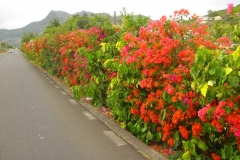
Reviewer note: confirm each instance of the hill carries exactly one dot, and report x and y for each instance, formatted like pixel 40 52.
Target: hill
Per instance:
pixel 226 19
pixel 14 36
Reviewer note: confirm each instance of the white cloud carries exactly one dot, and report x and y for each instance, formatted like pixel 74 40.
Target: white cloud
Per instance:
pixel 15 13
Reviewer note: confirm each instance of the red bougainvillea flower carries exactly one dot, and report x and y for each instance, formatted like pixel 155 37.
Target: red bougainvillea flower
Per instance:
pixel 134 111
pixel 197 129
pixel 218 112
pixel 215 157
pixel 169 89
pixel 170 142
pixel 177 116
pixel 215 123
pixel 183 132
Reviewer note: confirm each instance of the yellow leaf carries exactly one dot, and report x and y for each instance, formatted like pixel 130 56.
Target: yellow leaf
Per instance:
pixel 236 54
pixel 111 85
pixel 96 80
pixel 219 95
pixel 119 45
pixel 228 70
pixel 204 89
pixel 193 84
pixel 103 46
pixel 210 83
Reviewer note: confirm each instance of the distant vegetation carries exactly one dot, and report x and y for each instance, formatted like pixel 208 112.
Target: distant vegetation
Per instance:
pixel 227 26
pixel 14 36
pixel 5 46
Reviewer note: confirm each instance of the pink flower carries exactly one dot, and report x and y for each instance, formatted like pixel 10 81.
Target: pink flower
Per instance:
pixel 237 133
pixel 229 9
pixel 169 89
pixel 202 112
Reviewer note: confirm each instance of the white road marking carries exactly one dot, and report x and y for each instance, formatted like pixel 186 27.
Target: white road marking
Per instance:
pixel 40 137
pixel 56 86
pixel 89 115
pixel 64 93
pixel 73 101
pixel 117 140
pixel 3 59
pixel 47 78
pixel 51 82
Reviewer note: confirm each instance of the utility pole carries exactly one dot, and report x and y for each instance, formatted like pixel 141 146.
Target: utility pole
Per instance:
pixel 115 18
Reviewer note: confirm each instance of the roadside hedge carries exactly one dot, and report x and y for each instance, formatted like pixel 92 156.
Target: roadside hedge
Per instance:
pixel 165 81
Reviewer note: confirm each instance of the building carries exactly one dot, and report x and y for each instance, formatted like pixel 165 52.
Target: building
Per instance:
pixel 217 18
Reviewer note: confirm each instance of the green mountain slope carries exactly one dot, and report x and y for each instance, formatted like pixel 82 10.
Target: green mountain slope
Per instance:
pixel 14 36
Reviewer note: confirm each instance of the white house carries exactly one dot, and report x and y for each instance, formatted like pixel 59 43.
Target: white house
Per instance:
pixel 217 18
pixel 203 19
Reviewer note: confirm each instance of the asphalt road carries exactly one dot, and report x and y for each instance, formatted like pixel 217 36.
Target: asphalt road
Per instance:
pixel 40 121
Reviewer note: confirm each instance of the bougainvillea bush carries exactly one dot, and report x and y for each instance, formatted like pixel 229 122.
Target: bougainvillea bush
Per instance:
pixel 153 94
pixel 165 81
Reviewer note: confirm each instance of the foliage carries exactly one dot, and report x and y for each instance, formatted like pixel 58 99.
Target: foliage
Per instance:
pixel 166 81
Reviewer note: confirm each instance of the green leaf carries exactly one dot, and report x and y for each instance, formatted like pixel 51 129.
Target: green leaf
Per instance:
pixel 200 59
pixel 219 95
pixel 144 129
pixel 211 137
pixel 163 114
pixel 149 135
pixel 186 156
pixel 234 81
pixel 194 140
pixel 130 126
pixel 202 145
pixel 199 157
pixel 206 127
pixel 212 71
pixel 138 128
pixel 176 138
pixel 239 73
pixel 165 96
pixel 223 155
pixel 191 147
pixel 158 136
pixel 236 157
pixel 195 71
pixel 185 145
pixel 204 89
pixel 123 125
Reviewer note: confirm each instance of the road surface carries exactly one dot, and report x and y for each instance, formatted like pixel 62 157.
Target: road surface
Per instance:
pixel 40 121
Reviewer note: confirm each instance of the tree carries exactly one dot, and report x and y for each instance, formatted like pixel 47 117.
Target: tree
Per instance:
pixel 83 21
pixel 54 23
pixel 27 37
pixel 209 11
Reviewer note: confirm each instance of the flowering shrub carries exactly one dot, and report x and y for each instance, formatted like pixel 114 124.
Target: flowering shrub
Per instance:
pixel 216 75
pixel 156 87
pixel 165 81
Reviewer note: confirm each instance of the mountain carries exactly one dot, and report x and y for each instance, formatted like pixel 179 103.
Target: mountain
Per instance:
pixel 13 36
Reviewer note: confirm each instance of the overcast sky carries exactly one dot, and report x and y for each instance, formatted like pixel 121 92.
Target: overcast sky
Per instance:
pixel 19 13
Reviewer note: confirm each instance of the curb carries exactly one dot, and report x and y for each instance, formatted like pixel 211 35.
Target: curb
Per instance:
pixel 141 147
